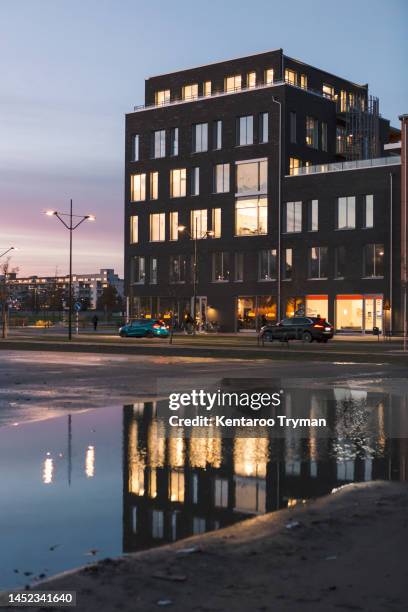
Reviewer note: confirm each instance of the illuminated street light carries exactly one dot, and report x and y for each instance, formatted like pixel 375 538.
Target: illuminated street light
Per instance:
pixel 70 226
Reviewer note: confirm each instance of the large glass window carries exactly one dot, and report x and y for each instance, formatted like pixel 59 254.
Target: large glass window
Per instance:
pixel 221 267
pixel 340 262
pixel 134 229
pixel 190 92
pixel 369 211
pixel 157 227
pixel 135 147
pixel 178 183
pixel 154 185
pixel 245 130
pixel 199 223
pixel 251 216
pixel 313 215
pixel 159 143
pixel 174 141
pixel 195 181
pixel 287 271
pixel 251 79
pixel 349 312
pixel 346 212
pixel 303 81
pixel 178 269
pixel 317 306
pixel 263 127
pixel 216 222
pixel 293 217
pixel 252 177
pixel 217 134
pixel 200 137
pixel 162 97
pixel 268 76
pixel 267 265
pixel 328 91
pixel 174 225
pixel 138 270
pixel 153 271
pixel 294 165
pixel 312 132
pixel 373 260
pixel 238 267
pixel 318 262
pixel 138 187
pixel 221 178
pixel 232 83
pixel 207 88
pixel 290 76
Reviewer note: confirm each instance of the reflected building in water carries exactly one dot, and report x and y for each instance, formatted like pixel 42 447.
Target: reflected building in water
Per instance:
pixel 182 483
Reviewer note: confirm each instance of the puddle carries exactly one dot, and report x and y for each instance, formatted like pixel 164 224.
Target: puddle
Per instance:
pixel 106 482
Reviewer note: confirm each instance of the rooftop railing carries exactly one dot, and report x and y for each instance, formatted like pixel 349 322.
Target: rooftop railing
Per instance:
pixel 348 165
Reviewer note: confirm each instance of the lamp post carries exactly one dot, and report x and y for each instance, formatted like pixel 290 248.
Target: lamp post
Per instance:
pixel 71 225
pixel 195 238
pixel 8 251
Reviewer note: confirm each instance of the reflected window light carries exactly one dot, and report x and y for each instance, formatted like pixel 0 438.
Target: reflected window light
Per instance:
pixel 156 444
pixel 176 447
pixel 136 462
pixel 198 525
pixel 153 483
pixel 157 524
pixel 174 525
pixel 48 470
pixel 176 492
pixel 90 462
pixel 251 456
pixel 221 492
pixel 134 519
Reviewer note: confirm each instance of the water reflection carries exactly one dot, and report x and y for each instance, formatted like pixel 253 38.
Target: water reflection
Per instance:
pixel 113 480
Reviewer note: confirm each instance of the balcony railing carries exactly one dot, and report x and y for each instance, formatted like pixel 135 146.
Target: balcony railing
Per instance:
pixel 349 165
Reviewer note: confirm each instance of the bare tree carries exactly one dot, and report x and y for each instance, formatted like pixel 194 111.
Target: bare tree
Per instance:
pixel 5 272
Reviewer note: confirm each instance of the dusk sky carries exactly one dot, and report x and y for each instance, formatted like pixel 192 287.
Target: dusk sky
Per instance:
pixel 71 69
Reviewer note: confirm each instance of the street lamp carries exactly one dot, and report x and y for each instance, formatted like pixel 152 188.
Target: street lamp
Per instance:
pixel 195 238
pixel 8 251
pixel 71 225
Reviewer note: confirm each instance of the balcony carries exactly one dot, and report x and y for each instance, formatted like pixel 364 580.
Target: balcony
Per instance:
pixel 349 165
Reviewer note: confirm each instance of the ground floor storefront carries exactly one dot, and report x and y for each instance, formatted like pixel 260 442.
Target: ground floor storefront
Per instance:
pixel 350 313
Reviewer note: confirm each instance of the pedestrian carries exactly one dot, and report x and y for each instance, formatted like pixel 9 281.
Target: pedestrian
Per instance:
pixel 95 322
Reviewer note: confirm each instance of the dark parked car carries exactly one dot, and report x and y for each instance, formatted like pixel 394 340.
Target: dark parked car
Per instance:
pixel 298 328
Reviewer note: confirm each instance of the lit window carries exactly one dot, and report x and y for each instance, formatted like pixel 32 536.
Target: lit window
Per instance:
pixel 268 76
pixel 134 229
pixel 217 134
pixel 251 79
pixel 343 101
pixel 174 141
pixel 288 265
pixel 318 262
pixel 216 222
pixel 303 81
pixel 293 217
pixel 138 270
pixel 252 177
pixel 267 265
pixel 245 128
pixel 328 91
pixel 220 269
pixel 154 185
pixel 178 183
pixel 373 260
pixel 369 211
pixel 313 215
pixel 294 165
pixel 312 132
pixel 290 77
pixel 195 181
pixel 200 137
pixel 157 227
pixel 159 144
pixel 232 83
pixel 221 178
pixel 190 92
pixel 251 215
pixel 207 88
pixel 174 224
pixel 263 127
pixel 135 147
pixel 162 97
pixel 199 223
pixel 138 187
pixel 153 271
pixel 346 213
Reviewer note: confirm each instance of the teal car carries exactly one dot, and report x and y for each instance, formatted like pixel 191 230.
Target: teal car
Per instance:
pixel 144 328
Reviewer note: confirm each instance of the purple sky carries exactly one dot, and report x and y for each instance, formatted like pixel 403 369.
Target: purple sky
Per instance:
pixel 70 70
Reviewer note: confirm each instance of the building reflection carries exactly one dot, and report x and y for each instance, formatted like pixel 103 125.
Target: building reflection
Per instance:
pixel 181 485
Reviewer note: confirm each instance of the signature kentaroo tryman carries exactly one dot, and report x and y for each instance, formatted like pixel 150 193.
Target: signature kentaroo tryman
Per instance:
pixel 224 421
